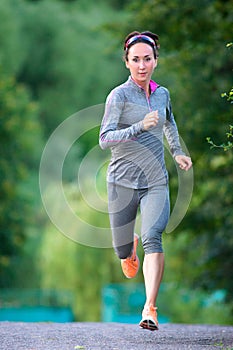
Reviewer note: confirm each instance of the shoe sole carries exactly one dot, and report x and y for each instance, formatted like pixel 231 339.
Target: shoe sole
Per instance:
pixel 149 324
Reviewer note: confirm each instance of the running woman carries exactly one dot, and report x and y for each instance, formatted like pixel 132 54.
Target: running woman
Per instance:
pixel 137 115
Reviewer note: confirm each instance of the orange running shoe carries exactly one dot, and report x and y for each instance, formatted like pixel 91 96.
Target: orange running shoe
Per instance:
pixel 149 318
pixel 130 265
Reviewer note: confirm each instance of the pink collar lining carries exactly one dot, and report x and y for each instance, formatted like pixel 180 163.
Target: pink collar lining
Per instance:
pixel 153 85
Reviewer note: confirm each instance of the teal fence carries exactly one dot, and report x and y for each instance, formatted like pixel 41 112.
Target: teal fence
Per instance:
pixel 35 305
pixel 124 303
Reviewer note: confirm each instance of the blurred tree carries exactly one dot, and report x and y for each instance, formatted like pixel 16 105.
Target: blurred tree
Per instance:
pixel 67 64
pixel 225 146
pixel 84 269
pixel 13 48
pixel 63 53
pixel 196 70
pixel 192 63
pixel 20 142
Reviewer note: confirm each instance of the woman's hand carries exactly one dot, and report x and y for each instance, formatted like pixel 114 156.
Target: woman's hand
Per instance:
pixel 185 163
pixel 151 119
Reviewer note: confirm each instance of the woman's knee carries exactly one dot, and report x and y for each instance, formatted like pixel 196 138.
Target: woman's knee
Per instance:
pixel 152 243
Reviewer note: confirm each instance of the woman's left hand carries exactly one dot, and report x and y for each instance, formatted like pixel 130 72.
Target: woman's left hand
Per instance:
pixel 185 163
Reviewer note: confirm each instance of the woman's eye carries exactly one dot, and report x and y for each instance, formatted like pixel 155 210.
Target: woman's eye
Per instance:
pixel 146 59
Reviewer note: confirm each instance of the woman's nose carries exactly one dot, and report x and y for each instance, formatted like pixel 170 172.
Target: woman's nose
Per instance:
pixel 141 64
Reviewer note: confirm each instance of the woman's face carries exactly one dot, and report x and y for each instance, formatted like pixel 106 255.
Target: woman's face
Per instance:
pixel 141 62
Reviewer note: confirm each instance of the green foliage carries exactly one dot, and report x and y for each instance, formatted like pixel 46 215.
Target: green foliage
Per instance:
pixel 67 63
pixel 196 71
pixel 226 146
pixel 85 270
pixel 193 306
pixel 12 46
pixel 229 96
pixel 64 62
pixel 191 63
pixel 66 55
pixel 20 138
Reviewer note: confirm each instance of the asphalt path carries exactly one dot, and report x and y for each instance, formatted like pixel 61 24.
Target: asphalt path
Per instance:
pixel 112 336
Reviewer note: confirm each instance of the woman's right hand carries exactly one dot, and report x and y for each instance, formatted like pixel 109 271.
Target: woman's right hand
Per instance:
pixel 151 119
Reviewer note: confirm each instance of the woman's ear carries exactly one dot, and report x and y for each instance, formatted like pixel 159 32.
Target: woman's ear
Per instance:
pixel 126 64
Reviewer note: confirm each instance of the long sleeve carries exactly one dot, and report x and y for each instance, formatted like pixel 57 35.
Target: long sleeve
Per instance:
pixel 112 131
pixel 137 155
pixel 171 131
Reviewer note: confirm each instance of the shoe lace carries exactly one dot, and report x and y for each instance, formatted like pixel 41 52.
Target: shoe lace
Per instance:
pixel 132 257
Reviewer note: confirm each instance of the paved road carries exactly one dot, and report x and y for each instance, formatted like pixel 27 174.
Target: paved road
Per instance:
pixel 112 336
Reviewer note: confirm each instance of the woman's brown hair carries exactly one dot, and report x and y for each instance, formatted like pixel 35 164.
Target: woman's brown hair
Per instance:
pixel 141 37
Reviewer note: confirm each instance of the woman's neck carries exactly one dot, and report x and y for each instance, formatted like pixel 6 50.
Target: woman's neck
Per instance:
pixel 145 86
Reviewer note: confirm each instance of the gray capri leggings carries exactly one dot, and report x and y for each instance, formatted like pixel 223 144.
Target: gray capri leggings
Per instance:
pixel 123 205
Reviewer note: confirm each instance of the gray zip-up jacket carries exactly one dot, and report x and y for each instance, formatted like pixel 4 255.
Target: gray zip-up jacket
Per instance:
pixel 137 159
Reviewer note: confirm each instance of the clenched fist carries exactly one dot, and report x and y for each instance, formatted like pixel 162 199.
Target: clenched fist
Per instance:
pixel 151 119
pixel 185 163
